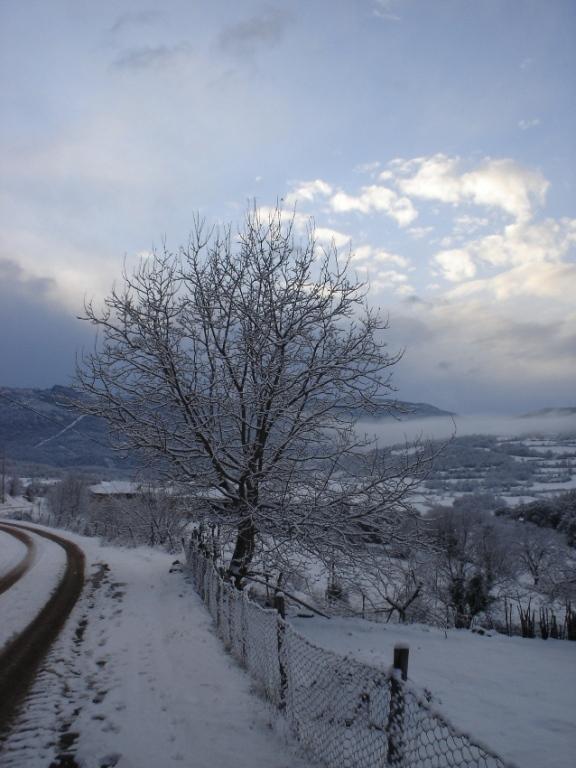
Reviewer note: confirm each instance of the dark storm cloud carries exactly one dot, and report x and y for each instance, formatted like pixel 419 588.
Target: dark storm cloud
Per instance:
pixel 12 276
pixel 39 340
pixel 263 31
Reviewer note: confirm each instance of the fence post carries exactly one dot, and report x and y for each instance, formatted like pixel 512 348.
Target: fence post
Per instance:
pixel 218 601
pixel 204 569
pixel 244 628
pixel 396 745
pixel 280 605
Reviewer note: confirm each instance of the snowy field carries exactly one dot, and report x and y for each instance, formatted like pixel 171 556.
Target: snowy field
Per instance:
pixel 147 683
pixel 550 463
pixel 517 696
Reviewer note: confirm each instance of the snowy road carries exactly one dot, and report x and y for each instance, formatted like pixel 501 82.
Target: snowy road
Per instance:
pixel 12 552
pixel 139 680
pixel 25 599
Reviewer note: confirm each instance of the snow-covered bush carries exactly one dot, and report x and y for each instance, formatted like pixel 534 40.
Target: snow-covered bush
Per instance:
pixel 153 516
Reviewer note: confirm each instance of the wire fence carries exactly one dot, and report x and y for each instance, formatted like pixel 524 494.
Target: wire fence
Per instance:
pixel 346 714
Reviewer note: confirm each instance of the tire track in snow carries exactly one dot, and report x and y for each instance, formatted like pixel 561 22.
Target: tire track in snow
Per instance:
pixel 20 659
pixel 64 703
pixel 16 573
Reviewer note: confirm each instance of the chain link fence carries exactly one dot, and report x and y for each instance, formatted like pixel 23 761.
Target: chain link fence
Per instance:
pixel 346 714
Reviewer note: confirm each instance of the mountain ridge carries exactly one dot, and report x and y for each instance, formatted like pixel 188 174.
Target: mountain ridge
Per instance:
pixel 41 426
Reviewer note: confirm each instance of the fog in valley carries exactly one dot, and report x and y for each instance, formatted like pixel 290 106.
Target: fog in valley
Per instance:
pixel 391 432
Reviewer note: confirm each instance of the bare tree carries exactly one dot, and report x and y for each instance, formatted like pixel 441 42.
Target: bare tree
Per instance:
pixel 537 550
pixel 152 516
pixel 240 364
pixel 67 500
pixel 15 486
pixel 473 557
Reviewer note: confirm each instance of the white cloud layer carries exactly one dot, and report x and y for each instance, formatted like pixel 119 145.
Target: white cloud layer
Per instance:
pixel 376 199
pixel 308 191
pixel 518 244
pixel 456 265
pixel 499 184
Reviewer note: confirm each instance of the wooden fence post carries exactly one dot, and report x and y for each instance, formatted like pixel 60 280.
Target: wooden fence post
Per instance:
pixel 203 569
pixel 396 745
pixel 218 603
pixel 280 605
pixel 244 629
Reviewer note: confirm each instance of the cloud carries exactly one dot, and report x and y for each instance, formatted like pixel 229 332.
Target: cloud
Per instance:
pixel 75 268
pixel 302 223
pixel 371 199
pixel 456 265
pixel 384 9
pixel 500 184
pixel 505 353
pixel 245 38
pixel 19 281
pixel 40 348
pixel 366 253
pixel 132 19
pixel 525 125
pixel 369 168
pixel 519 244
pixel 520 322
pixel 467 225
pixel 376 199
pixel 554 283
pixel 384 271
pixel 102 153
pixel 152 56
pixel 329 236
pixel 308 191
pixel 420 232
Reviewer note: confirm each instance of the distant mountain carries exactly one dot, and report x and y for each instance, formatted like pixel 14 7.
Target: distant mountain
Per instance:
pixel 400 410
pixel 556 413
pixel 422 411
pixel 42 426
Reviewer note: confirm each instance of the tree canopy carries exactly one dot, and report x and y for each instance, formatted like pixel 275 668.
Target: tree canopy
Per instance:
pixel 239 364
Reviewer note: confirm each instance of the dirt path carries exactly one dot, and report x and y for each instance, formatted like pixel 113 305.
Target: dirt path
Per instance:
pixel 20 659
pixel 24 565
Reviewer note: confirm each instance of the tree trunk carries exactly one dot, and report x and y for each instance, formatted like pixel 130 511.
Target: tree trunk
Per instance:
pixel 243 551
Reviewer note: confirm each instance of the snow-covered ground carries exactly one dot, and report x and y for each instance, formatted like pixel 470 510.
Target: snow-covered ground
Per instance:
pixel 11 552
pixel 147 683
pixel 25 599
pixel 516 695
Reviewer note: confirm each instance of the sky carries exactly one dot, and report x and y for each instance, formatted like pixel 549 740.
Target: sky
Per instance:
pixel 433 139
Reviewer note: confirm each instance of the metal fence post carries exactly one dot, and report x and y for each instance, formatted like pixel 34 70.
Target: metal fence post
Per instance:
pixel 396 745
pixel 280 605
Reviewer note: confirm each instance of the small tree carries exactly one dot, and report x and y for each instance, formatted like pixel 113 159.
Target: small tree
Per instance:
pixel 152 516
pixel 537 550
pixel 239 364
pixel 34 489
pixel 67 500
pixel 472 557
pixel 15 486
